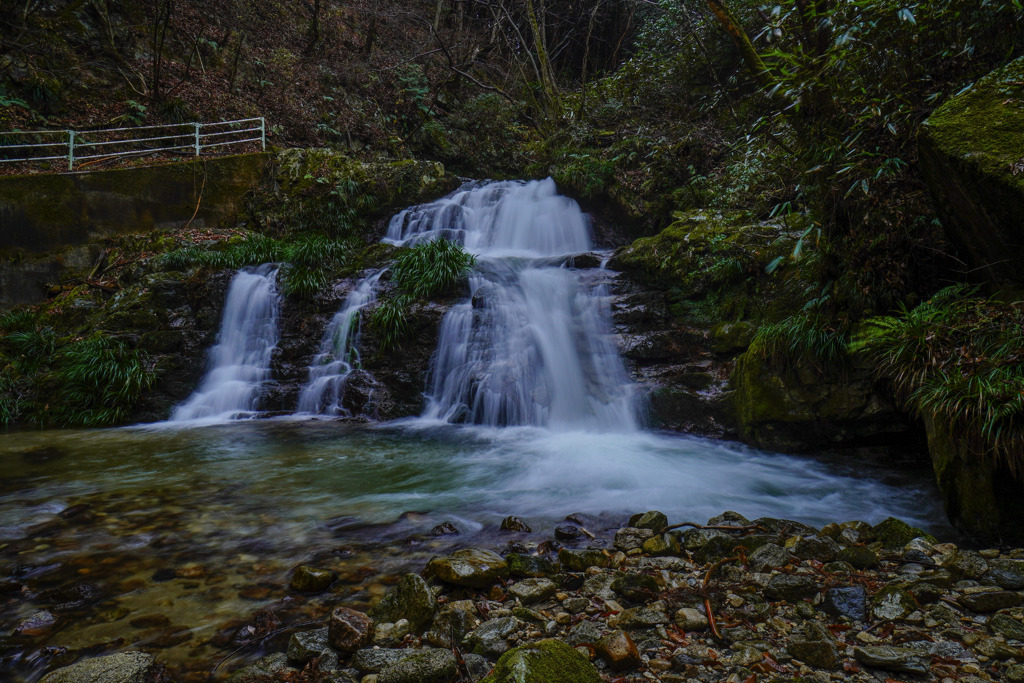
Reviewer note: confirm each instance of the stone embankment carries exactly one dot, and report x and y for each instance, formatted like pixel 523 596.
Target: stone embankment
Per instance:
pixel 732 600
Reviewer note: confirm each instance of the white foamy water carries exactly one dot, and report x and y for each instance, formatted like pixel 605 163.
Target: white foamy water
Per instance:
pixel 338 354
pixel 239 364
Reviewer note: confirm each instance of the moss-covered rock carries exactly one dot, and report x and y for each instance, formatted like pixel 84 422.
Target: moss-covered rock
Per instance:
pixel 981 496
pixel 547 661
pixel 805 408
pixel 972 155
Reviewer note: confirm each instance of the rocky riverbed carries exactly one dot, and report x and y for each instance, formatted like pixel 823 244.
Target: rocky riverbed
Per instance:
pixel 732 600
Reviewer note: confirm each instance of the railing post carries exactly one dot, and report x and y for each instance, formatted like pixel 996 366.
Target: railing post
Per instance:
pixel 71 150
pixel 263 133
pixel 197 137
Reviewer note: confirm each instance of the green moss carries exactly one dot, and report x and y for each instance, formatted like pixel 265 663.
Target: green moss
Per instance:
pixel 547 661
pixel 983 125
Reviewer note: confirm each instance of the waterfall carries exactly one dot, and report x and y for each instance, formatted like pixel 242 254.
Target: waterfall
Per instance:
pixel 533 345
pixel 240 361
pixel 338 354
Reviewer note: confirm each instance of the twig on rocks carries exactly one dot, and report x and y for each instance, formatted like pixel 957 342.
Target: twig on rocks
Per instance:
pixel 752 527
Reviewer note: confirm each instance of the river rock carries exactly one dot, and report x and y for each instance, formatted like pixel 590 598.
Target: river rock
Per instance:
pixel 848 601
pixel 1005 573
pixel 375 660
pixel 490 639
pixel 639 618
pixel 269 667
pixel 528 566
pixel 635 587
pixel 653 520
pixel 691 619
pixel 69 597
pixel 546 661
pixel 445 529
pixel 720 547
pixel 791 588
pixel 474 568
pixel 820 654
pixel 895 533
pixel 858 557
pixel 767 557
pixel 532 590
pixel 37 624
pixel 513 523
pixel 350 630
pixel 618 650
pixel 891 603
pixel 820 548
pixel 411 600
pixel 580 560
pixel 306 645
pixel 123 667
pixel 662 544
pixel 898 659
pixel 421 666
pixel 386 634
pixel 311 579
pixel 1006 626
pixel 964 564
pixel 567 533
pixel 452 623
pixel 990 601
pixel 584 633
pixel 631 538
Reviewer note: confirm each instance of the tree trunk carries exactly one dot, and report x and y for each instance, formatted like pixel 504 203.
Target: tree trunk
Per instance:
pixel 742 40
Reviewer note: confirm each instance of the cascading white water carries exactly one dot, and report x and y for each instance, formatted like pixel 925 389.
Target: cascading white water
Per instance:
pixel 240 361
pixel 338 354
pixel 533 345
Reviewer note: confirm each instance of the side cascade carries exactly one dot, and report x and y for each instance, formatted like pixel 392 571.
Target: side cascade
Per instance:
pixel 533 345
pixel 339 353
pixel 240 361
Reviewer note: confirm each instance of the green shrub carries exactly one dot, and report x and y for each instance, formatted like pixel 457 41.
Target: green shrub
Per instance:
pixel 430 268
pixel 388 319
pixel 100 380
pixel 958 358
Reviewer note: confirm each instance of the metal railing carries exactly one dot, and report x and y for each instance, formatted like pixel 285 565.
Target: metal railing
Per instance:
pixel 114 143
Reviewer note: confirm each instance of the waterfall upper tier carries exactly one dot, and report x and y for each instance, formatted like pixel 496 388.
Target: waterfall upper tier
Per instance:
pixel 499 219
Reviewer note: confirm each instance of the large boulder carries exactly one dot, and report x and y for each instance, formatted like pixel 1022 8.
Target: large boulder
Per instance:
pixel 123 667
pixel 548 661
pixel 981 496
pixel 972 155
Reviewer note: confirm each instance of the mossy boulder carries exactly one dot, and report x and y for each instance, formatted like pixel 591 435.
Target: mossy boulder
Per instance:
pixel 805 408
pixel 981 496
pixel 972 156
pixel 411 600
pixel 894 533
pixel 547 661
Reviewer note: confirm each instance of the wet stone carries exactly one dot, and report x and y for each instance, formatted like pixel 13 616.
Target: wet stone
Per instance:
pixel 513 523
pixel 848 601
pixel 1006 573
pixel 640 618
pixel 444 529
pixel 452 624
pixel 528 566
pixel 631 538
pixel 691 619
pixel 490 639
pixel 567 533
pixel 990 601
pixel 891 603
pixel 859 557
pixel 411 600
pixel 965 564
pixel 636 587
pixel 817 653
pixel 820 548
pixel 474 568
pixel 311 579
pixel 893 533
pixel 72 596
pixel 532 590
pixel 265 667
pixel 584 633
pixel 729 518
pixel 897 659
pixel 305 646
pixel 123 667
pixel 421 666
pixel 1006 626
pixel 769 556
pixel 662 544
pixel 37 624
pixel 391 635
pixel 653 520
pixel 790 588
pixel 618 650
pixel 350 630
pixel 580 560
pixel 546 661
pixel 376 660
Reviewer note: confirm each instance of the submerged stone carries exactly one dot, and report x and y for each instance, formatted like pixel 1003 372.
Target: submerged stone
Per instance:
pixel 123 667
